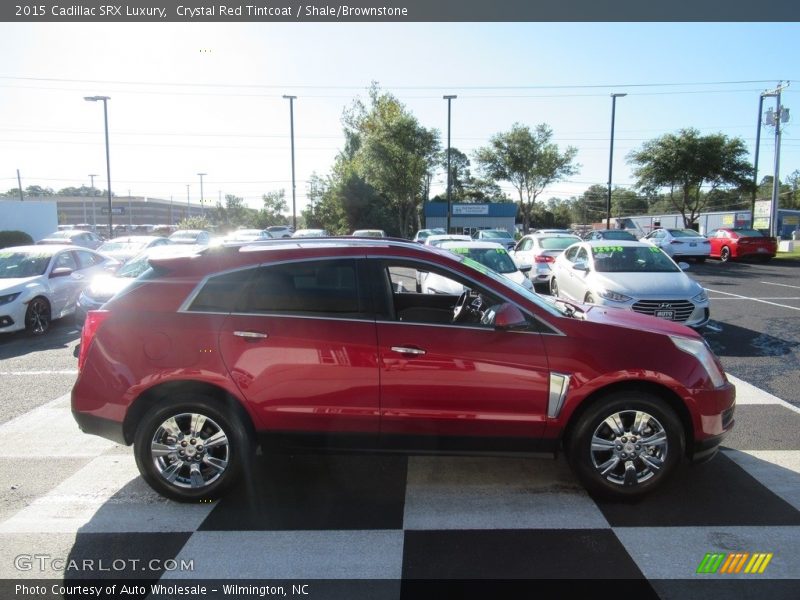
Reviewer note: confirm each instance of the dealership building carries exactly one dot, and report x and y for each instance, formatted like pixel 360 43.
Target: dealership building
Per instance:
pixel 469 218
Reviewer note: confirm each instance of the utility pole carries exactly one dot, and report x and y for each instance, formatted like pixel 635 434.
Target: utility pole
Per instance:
pixel 188 203
pixel 780 115
pixel 755 160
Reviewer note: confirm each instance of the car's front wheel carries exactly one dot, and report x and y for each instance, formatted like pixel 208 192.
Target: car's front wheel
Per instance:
pixel 554 287
pixel 725 254
pixel 192 448
pixel 37 316
pixel 626 444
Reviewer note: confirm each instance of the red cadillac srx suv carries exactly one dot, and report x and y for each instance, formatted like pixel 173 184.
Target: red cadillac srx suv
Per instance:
pixel 326 343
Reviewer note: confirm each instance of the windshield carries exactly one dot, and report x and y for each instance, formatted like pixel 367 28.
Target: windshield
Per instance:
pixel 134 267
pixel 684 233
pixel 497 259
pixel 632 259
pixel 121 247
pixel 557 243
pixel 619 234
pixel 748 233
pixel 496 234
pixel 15 265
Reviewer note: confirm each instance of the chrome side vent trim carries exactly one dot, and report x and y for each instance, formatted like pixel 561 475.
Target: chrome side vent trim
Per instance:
pixel 559 385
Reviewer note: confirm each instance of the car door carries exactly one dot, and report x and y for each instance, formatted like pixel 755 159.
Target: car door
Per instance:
pixel 64 288
pixel 440 378
pixel 523 253
pixel 300 345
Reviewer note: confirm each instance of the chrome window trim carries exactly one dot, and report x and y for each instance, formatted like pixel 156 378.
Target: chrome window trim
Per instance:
pixel 559 385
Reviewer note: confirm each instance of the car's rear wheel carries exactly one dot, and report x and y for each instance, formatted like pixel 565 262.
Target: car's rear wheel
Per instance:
pixel 626 444
pixel 191 449
pixel 589 299
pixel 725 254
pixel 554 287
pixel 37 316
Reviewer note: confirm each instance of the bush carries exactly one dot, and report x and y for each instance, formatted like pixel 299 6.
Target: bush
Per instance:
pixel 14 238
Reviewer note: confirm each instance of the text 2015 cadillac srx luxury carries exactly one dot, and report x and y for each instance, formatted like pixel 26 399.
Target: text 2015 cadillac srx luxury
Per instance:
pixel 325 343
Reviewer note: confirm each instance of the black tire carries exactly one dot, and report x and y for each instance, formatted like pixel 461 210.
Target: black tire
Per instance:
pixel 38 317
pixel 605 471
pixel 553 287
pixel 725 254
pixel 214 469
pixel 589 299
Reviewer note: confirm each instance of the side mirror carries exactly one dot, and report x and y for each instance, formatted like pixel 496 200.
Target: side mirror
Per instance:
pixel 61 272
pixel 508 317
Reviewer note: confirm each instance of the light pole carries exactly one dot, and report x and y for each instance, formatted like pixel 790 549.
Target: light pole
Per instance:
pixel 611 156
pixel 104 100
pixel 202 208
pixel 188 203
pixel 449 206
pixel 291 100
pixel 94 213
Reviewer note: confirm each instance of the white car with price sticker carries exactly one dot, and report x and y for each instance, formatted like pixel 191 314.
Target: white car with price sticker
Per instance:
pixel 630 275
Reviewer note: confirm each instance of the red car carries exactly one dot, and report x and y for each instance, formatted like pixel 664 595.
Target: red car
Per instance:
pixel 730 243
pixel 325 343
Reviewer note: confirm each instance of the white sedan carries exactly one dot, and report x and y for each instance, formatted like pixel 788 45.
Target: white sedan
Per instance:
pixel 680 243
pixel 629 275
pixel 39 284
pixel 489 254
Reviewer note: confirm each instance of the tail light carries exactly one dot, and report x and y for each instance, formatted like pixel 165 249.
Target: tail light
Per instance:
pixel 544 258
pixel 94 318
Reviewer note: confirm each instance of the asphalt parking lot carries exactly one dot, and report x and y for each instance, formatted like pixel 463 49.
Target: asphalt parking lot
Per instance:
pixel 755 322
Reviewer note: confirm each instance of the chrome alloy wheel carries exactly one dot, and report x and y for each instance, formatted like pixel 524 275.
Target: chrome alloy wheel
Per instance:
pixel 629 447
pixel 190 450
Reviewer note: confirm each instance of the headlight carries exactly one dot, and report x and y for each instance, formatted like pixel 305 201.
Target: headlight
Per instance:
pixel 613 296
pixel 9 298
pixel 701 297
pixel 700 350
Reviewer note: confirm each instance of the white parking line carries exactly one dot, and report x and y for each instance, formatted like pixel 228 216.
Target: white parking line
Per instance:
pixel 797 287
pixel 22 373
pixel 754 299
pixel 767 298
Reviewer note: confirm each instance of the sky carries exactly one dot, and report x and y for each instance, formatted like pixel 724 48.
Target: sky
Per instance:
pixel 189 98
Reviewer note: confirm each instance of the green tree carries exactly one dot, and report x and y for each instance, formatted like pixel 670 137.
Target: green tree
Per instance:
pixel 626 203
pixel 196 222
pixel 392 153
pixel 591 206
pixel 232 214
pixel 528 160
pixel 686 164
pixel 272 212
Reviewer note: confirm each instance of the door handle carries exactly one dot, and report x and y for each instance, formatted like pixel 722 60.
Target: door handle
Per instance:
pixel 408 350
pixel 250 335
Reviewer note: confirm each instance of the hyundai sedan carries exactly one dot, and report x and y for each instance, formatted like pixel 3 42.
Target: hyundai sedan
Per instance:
pixel 630 275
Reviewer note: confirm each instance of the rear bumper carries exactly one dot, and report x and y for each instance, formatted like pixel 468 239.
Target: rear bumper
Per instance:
pixel 105 428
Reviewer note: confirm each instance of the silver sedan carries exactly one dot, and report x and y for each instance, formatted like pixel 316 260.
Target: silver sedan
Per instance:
pixel 630 275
